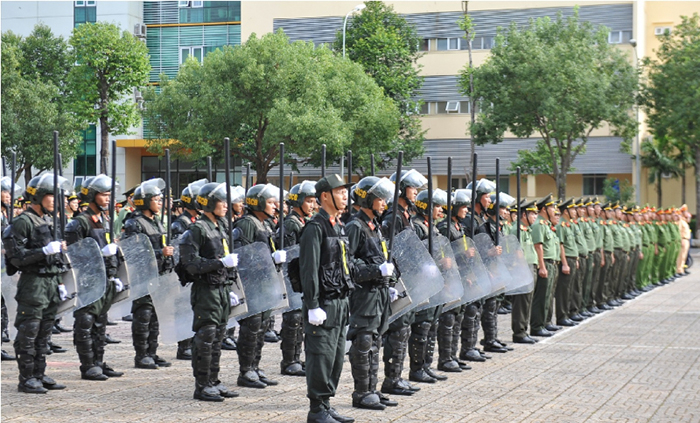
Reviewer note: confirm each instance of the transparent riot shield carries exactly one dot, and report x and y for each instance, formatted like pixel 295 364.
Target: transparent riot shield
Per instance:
pixel 140 267
pixel 514 259
pixel 444 257
pixel 475 279
pixel 172 303
pixel 9 290
pixel 419 273
pixel 86 278
pixel 263 285
pixel 294 298
pixel 500 277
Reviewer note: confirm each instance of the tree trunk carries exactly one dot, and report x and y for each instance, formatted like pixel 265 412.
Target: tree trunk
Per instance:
pixel 260 173
pixel 697 181
pixel 104 146
pixel 561 185
pixel 683 187
pixel 658 189
pixel 27 174
pixel 472 100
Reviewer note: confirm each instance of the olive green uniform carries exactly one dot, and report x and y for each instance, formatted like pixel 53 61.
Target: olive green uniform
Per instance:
pixel 522 304
pixel 565 285
pixel 542 234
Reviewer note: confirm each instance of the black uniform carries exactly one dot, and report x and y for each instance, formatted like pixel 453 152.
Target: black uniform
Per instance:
pixel 292 332
pixel 396 337
pixel 201 248
pixel 144 327
pixel 369 308
pixel 177 228
pixel 421 343
pixel 90 324
pixel 37 295
pixel 251 338
pixel 325 272
pixel 450 322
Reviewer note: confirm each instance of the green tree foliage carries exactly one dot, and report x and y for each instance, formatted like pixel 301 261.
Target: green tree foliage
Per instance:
pixel 33 104
pixel 268 91
pixel 671 94
pixel 559 79
pixel 619 190
pixel 387 47
pixel 109 64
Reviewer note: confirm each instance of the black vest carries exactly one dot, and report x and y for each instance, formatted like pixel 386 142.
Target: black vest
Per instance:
pixel 99 231
pixel 41 235
pixel 213 248
pixel 156 235
pixel 335 270
pixel 453 232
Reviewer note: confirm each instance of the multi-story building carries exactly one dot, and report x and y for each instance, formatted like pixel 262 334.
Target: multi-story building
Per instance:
pixel 176 30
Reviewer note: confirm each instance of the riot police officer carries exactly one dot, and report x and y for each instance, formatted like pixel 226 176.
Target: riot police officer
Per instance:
pixel 396 338
pixel 255 227
pixel 188 199
pixel 302 198
pixel 205 256
pixel 30 250
pixel 325 275
pixel 90 324
pixel 148 200
pixel 370 301
pixel 421 343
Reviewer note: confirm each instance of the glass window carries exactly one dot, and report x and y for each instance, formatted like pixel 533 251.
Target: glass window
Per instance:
pixel 425 108
pixel 210 11
pixel 464 107
pixel 425 45
pixel 593 184
pixel 504 182
pixel 85 163
pixel 84 11
pixel 196 52
pixel 453 43
pixel 442 44
pixel 441 107
pixel 615 37
pixel 452 107
pixel 458 183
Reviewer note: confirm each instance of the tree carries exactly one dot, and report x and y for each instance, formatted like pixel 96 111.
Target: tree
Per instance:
pixel 467 25
pixel 535 162
pixel 559 79
pixel 671 92
pixel 110 63
pixel 387 47
pixel 33 70
pixel 656 157
pixel 268 91
pixel 618 190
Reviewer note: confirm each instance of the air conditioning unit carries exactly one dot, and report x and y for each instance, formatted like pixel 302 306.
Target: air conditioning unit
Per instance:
pixel 140 30
pixel 661 30
pixel 666 175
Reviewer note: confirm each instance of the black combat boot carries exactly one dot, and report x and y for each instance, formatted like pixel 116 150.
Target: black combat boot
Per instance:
pixel 140 331
pixel 360 355
pixel 291 323
pixel 247 345
pixel 201 365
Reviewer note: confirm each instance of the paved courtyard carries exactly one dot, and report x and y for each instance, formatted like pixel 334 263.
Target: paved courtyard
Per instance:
pixel 639 362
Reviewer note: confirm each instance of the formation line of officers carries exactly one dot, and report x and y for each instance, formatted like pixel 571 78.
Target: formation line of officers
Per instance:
pixel 586 257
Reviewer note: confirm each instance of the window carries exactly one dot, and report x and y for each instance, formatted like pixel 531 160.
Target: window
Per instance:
pixel 210 11
pixel 445 107
pixel 458 183
pixel 593 184
pixel 452 107
pixel 503 183
pixel 196 52
pixel 619 37
pixel 84 11
pixel 154 167
pixel 85 164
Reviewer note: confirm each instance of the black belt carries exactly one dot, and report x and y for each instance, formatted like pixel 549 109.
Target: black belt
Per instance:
pixel 550 261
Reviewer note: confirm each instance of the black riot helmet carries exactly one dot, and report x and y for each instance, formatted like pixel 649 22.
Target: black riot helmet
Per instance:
pixel 439 199
pixel 370 188
pixel 189 194
pixel 146 192
pixel 300 191
pixel 258 195
pixel 209 194
pixel 504 199
pixel 96 185
pixel 409 178
pixel 42 185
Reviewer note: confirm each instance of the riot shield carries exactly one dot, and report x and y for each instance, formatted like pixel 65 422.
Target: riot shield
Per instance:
pixel 500 277
pixel 140 267
pixel 419 273
pixel 9 290
pixel 475 279
pixel 263 285
pixel 444 257
pixel 522 280
pixel 86 279
pixel 172 303
pixel 294 298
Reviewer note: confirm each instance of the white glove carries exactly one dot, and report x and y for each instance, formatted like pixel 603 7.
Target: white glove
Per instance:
pixel 54 247
pixel 118 284
pixel 234 298
pixel 387 269
pixel 279 256
pixel 62 291
pixel 317 316
pixel 230 260
pixel 393 294
pixel 109 250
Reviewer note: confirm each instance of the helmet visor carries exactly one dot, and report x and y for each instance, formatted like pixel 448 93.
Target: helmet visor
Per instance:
pixel 383 189
pixel 414 179
pixel 152 187
pixel 462 197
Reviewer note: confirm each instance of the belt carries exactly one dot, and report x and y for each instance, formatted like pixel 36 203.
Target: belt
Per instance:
pixel 619 249
pixel 583 257
pixel 550 261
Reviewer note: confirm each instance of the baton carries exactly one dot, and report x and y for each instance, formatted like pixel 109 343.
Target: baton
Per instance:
pixel 449 198
pixel 281 210
pixel 430 207
pixel 168 210
pixel 518 219
pixel 113 191
pixel 349 209
pixel 227 164
pixel 12 187
pixel 395 206
pixel 55 184
pixel 471 218
pixel 498 199
pixel 323 161
pixel 209 172
pixel 372 163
